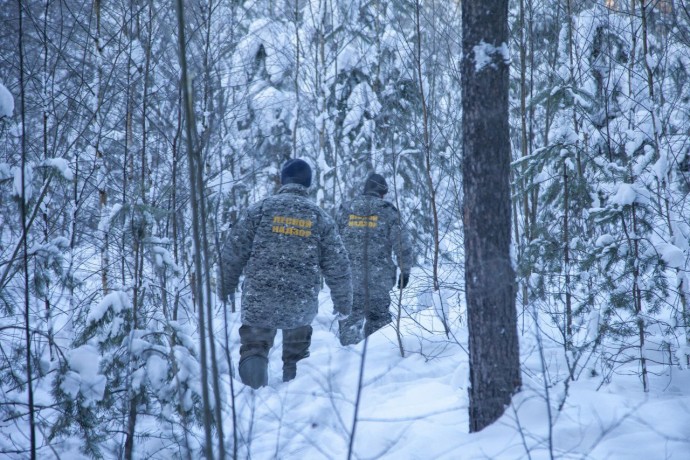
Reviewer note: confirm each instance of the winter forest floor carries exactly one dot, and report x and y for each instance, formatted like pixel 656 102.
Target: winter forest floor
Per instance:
pixel 415 407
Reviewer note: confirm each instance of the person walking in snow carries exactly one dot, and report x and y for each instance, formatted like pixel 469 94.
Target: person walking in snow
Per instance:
pixel 372 231
pixel 283 244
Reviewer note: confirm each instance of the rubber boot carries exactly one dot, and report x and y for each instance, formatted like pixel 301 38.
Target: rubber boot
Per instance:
pixel 350 334
pixel 289 371
pixel 375 322
pixel 254 371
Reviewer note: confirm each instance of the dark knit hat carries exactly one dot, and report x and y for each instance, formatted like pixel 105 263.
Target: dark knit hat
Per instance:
pixel 376 183
pixel 296 171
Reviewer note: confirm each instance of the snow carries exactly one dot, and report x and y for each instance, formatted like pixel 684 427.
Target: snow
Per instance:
pixel 362 100
pixel 413 402
pixel 6 102
pixel 156 371
pixel 163 258
pixel 604 240
pixel 415 407
pixel 348 58
pixel 484 55
pixel 661 167
pixel 137 345
pixel 71 383
pixel 84 377
pixel 104 223
pixel 626 195
pixel 117 300
pixel 5 171
pixel 61 165
pixel 439 301
pixel 672 255
pixel 269 103
pixel 28 176
pixel 277 43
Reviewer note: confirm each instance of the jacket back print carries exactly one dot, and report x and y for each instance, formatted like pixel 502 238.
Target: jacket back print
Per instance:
pixel 284 244
pixel 373 234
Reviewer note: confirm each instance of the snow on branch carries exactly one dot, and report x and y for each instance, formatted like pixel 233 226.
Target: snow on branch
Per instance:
pixel 484 55
pixel 6 102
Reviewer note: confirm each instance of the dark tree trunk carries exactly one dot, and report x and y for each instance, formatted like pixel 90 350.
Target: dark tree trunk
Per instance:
pixel 489 275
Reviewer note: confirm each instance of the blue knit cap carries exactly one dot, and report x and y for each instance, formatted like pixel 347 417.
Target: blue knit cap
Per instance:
pixel 296 171
pixel 375 183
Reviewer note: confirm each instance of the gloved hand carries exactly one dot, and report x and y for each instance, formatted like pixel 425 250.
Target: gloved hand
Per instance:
pixel 403 279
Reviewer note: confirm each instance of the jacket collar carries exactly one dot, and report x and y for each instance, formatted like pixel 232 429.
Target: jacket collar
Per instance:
pixel 296 189
pixel 374 194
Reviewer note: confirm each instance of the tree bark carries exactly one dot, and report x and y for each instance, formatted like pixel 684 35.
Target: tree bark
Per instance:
pixel 197 285
pixel 489 274
pixel 25 247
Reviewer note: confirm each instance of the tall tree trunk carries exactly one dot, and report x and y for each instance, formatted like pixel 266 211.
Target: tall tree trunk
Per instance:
pixel 489 275
pixel 25 246
pixel 46 155
pixel 568 326
pixel 427 157
pixel 195 192
pixel 208 108
pixel 296 111
pixel 139 233
pixel 525 136
pixel 100 160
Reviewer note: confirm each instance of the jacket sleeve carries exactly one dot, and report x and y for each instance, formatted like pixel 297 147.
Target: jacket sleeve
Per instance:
pixel 341 217
pixel 335 267
pixel 236 251
pixel 402 246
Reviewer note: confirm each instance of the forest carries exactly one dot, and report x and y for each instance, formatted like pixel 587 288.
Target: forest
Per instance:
pixel 120 179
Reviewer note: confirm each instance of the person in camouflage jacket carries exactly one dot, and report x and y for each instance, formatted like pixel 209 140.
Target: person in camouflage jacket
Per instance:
pixel 283 245
pixel 372 231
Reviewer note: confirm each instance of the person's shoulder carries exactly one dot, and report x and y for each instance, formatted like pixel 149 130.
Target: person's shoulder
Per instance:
pixel 346 206
pixel 323 215
pixel 385 204
pixel 304 204
pixel 255 208
pixel 388 204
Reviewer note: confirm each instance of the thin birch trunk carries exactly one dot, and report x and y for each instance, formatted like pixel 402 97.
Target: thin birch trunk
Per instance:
pixel 25 246
pixel 46 219
pixel 139 235
pixel 100 161
pixel 218 402
pixel 194 182
pixel 427 156
pixel 568 329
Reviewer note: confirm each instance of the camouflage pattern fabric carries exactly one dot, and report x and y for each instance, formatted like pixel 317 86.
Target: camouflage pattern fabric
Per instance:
pixel 258 341
pixel 284 244
pixel 372 233
pixel 353 328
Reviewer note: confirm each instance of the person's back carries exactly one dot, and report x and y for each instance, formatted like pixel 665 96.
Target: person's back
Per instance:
pixel 372 232
pixel 285 265
pixel 367 226
pixel 283 245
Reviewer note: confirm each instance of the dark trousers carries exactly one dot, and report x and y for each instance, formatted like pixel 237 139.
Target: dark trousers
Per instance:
pixel 258 341
pixel 366 318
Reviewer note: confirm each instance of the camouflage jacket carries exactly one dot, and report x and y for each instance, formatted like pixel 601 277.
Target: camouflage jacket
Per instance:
pixel 284 244
pixel 372 232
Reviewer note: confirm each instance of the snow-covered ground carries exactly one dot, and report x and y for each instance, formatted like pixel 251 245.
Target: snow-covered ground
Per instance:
pixel 415 407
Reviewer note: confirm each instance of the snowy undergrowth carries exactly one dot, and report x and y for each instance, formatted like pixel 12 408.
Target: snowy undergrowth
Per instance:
pixel 415 407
